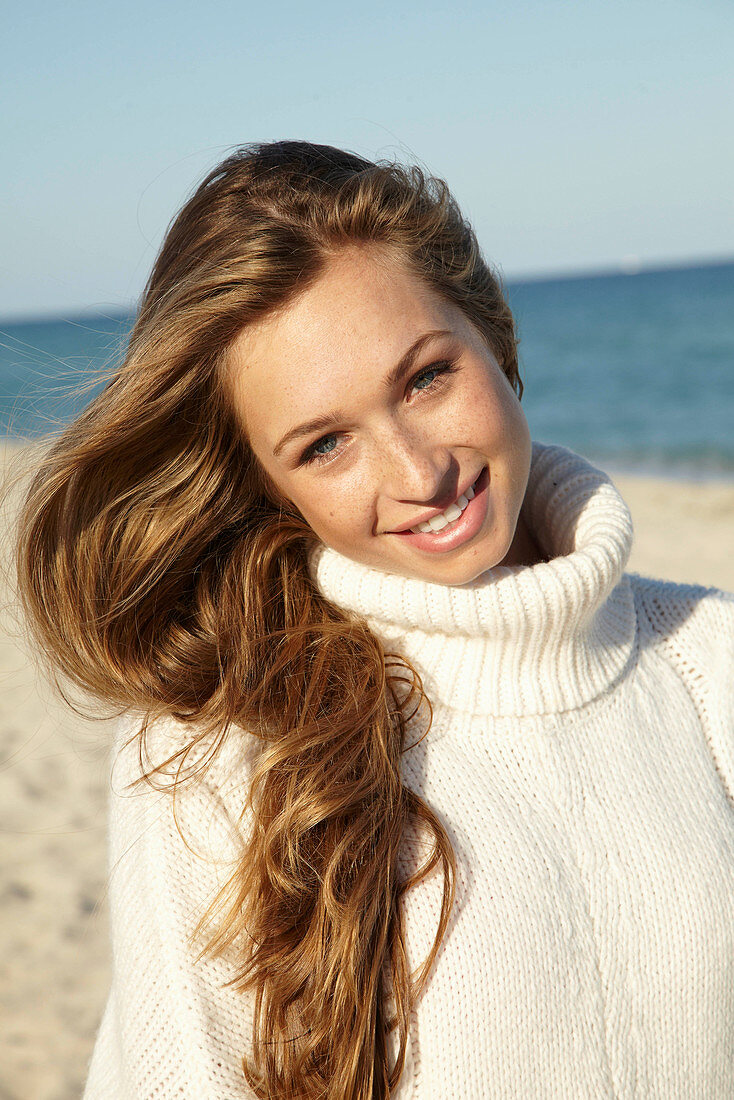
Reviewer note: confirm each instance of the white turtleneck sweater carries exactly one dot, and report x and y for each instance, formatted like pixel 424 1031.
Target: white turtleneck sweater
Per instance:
pixel 581 757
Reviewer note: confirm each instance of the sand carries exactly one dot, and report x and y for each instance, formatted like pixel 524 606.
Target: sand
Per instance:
pixel 54 957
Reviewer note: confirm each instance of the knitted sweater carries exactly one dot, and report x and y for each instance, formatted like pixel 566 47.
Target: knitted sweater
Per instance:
pixel 581 756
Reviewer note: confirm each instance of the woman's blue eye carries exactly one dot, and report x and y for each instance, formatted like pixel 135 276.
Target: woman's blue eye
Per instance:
pixel 429 374
pixel 326 439
pixel 437 374
pixel 320 450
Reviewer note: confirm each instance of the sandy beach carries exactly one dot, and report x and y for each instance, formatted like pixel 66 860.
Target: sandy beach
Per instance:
pixel 54 964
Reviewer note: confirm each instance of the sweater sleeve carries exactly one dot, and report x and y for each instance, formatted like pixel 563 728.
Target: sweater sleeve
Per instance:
pixel 694 627
pixel 171 1027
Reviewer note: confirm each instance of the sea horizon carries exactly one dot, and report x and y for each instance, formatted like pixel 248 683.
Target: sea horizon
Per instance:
pixel 630 267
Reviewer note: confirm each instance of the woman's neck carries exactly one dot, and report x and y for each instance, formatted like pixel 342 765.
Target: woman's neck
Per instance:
pixel 525 549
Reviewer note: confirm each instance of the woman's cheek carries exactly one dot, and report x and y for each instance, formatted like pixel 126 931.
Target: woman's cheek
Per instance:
pixel 350 517
pixel 326 511
pixel 347 521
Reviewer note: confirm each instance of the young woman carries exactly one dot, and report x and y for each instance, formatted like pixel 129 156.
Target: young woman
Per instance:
pixel 417 793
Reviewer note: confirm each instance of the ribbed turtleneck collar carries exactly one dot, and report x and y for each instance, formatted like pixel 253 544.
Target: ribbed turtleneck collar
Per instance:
pixel 518 640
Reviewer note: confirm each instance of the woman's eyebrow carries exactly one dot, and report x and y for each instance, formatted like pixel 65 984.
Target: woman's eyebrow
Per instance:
pixel 330 420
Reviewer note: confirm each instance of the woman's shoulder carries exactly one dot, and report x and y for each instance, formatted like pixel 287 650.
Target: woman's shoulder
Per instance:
pixel 670 603
pixel 168 743
pixel 168 769
pixel 692 620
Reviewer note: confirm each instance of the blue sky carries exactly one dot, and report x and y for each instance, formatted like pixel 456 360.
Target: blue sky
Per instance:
pixel 576 135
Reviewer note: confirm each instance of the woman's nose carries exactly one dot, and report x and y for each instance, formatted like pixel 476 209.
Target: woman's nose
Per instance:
pixel 416 470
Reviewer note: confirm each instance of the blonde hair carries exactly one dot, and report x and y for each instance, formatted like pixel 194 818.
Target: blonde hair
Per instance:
pixel 158 572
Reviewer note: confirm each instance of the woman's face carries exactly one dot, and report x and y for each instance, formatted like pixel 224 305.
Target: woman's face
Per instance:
pixel 375 407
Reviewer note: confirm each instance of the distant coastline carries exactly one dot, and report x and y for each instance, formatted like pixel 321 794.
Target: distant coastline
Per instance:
pixel 624 269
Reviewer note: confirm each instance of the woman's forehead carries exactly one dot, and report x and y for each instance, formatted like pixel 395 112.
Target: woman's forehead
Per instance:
pixel 360 309
pixel 333 345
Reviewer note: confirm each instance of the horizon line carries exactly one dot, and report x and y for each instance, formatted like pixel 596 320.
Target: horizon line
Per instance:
pixel 628 267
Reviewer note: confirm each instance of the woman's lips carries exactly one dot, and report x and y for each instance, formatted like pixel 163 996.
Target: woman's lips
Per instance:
pixel 469 523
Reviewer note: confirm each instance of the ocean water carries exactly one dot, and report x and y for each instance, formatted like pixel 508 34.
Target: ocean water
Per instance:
pixel 52 367
pixel 634 371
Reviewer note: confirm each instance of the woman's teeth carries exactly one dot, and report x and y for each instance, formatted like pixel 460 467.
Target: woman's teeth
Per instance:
pixel 452 513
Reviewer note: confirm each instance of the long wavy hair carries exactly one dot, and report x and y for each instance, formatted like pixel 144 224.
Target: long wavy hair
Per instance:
pixel 159 571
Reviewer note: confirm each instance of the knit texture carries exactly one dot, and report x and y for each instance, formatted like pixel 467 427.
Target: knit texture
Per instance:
pixel 581 757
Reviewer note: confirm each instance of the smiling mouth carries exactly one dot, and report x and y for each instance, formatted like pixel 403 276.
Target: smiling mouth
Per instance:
pixel 446 518
pixel 441 534
pixel 449 516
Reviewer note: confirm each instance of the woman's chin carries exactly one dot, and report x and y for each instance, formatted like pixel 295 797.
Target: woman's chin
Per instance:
pixel 450 569
pixel 455 567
